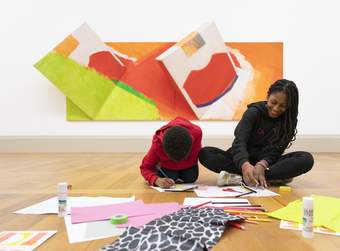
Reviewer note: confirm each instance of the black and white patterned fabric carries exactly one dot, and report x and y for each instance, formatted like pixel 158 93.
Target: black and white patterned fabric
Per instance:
pixel 191 229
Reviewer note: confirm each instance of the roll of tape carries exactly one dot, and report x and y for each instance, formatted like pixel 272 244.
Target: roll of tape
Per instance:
pixel 285 189
pixel 119 219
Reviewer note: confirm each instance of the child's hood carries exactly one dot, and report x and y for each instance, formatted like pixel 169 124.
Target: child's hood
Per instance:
pixel 176 122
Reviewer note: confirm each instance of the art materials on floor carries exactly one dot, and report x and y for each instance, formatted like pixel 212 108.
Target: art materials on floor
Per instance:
pixel 104 212
pixel 137 212
pixel 248 212
pixel 240 205
pixel 248 189
pixel 82 231
pixel 50 206
pixel 290 225
pixel 285 189
pixel 23 240
pixel 258 219
pixel 90 230
pixel 228 189
pixel 90 223
pixel 189 229
pixel 326 212
pixel 214 202
pixel 62 199
pixel 308 214
pixel 119 219
pixel 250 208
pixel 237 191
pixel 237 225
pixel 185 187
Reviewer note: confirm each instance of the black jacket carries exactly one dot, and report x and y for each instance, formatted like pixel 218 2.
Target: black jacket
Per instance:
pixel 253 136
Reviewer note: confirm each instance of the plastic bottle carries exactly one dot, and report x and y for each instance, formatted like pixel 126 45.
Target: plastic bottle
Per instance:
pixel 308 212
pixel 62 199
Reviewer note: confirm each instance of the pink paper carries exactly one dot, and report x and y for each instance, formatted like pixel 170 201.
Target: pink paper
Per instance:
pixel 162 209
pixel 97 213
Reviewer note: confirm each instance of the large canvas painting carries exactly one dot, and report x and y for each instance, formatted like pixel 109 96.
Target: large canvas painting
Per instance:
pixel 200 77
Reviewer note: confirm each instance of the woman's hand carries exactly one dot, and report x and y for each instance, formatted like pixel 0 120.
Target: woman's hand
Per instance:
pixel 259 174
pixel 248 174
pixel 164 182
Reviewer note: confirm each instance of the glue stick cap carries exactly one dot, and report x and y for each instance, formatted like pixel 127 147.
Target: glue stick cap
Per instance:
pixel 62 187
pixel 308 201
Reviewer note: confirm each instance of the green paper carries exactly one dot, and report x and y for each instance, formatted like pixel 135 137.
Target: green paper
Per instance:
pixel 124 105
pixel 74 113
pixel 85 87
pixel 92 95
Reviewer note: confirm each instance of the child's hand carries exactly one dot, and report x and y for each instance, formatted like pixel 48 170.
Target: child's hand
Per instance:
pixel 248 174
pixel 259 175
pixel 164 182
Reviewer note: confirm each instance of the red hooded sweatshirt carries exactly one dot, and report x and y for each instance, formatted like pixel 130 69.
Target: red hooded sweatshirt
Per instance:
pixel 156 154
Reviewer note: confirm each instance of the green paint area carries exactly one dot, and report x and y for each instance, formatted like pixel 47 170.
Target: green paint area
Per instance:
pixel 74 113
pixel 93 96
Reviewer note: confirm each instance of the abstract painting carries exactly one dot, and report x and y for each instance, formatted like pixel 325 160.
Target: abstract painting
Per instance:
pixel 200 77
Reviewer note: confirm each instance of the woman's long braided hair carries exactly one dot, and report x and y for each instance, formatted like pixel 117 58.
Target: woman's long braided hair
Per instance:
pixel 286 131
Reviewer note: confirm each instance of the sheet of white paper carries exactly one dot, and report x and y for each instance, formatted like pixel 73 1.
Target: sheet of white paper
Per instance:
pixel 214 191
pixel 194 201
pixel 296 226
pixel 50 206
pixel 90 230
pixel 176 188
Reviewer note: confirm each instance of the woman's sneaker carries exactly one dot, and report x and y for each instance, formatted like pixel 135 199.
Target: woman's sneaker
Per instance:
pixel 227 179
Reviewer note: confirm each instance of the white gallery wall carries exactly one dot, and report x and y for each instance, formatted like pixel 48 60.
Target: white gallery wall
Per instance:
pixel 30 106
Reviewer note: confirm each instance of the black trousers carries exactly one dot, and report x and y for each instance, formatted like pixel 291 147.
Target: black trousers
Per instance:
pixel 188 175
pixel 288 165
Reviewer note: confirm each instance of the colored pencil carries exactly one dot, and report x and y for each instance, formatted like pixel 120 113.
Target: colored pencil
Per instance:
pixel 254 206
pixel 229 202
pixel 244 212
pixel 239 195
pixel 250 189
pixel 259 219
pixel 246 209
pixel 238 226
pixel 202 204
pixel 251 222
pixel 161 171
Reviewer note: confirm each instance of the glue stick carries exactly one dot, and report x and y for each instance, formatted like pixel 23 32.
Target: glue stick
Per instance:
pixel 62 199
pixel 308 211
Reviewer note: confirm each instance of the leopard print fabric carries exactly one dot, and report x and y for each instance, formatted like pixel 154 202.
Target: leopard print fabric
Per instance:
pixel 191 229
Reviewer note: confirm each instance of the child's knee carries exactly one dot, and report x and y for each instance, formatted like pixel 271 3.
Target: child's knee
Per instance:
pixel 190 177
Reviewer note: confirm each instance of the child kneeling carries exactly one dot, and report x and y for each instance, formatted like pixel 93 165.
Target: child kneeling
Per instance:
pixel 173 155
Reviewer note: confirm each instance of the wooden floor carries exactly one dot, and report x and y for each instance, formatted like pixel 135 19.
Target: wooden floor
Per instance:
pixel 29 178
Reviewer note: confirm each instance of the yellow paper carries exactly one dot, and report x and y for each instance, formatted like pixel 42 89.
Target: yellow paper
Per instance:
pixel 326 212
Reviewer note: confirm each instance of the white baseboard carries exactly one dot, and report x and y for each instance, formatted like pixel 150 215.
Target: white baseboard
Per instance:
pixel 25 144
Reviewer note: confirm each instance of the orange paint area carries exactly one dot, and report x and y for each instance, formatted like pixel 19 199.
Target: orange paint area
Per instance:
pixel 67 46
pixel 34 239
pixel 6 236
pixel 267 62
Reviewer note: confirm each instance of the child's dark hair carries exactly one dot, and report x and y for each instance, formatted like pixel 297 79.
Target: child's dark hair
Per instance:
pixel 286 131
pixel 177 143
